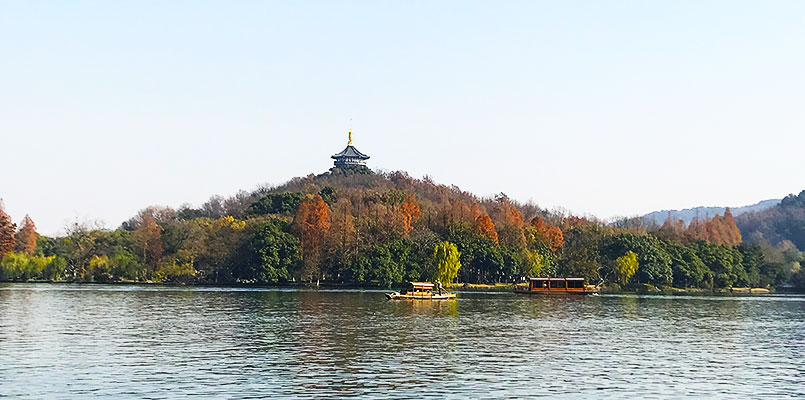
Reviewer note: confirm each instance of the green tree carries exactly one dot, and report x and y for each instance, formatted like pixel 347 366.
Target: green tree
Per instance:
pixel 626 266
pixel 281 203
pixel 752 260
pixel 580 253
pixel 724 261
pixel 446 260
pixel 125 265
pixel 654 261
pixel 22 267
pixel 55 270
pixel 687 268
pixel 272 255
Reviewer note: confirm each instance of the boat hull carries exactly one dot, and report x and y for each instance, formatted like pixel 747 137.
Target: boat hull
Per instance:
pixel 443 296
pixel 557 292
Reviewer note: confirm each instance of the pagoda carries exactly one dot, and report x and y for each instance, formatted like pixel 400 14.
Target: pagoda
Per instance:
pixel 350 157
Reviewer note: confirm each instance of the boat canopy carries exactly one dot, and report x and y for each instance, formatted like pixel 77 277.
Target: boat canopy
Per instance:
pixel 556 279
pixel 422 285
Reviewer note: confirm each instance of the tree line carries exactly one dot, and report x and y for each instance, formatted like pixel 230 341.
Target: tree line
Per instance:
pixel 382 229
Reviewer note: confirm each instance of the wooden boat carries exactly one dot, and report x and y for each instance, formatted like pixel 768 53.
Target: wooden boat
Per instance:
pixel 560 286
pixel 421 291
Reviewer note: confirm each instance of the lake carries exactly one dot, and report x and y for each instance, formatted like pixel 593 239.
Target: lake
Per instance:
pixel 130 341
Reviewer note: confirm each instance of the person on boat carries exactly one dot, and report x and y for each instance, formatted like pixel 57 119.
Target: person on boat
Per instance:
pixel 439 286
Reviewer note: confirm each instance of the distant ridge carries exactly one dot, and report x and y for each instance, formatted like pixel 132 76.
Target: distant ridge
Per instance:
pixel 689 214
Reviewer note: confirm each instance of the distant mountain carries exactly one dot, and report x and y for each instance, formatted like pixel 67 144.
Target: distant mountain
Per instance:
pixel 702 213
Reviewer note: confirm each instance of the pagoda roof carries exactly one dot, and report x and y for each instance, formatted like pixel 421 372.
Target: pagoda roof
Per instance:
pixel 352 152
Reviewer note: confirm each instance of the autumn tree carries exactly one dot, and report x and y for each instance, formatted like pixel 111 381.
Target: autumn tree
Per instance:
pixel 672 230
pixel 550 235
pixel 26 237
pixel 7 229
pixel 729 230
pixel 484 227
pixel 148 237
pixel 410 213
pixel 509 223
pixel 312 219
pixel 342 237
pixel 718 230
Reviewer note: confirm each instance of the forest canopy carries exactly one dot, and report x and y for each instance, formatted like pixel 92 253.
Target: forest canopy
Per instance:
pixel 381 229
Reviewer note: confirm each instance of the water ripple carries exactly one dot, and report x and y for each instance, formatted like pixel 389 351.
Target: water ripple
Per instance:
pixel 96 341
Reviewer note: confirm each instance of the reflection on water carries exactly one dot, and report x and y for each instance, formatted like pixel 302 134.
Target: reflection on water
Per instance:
pixel 60 341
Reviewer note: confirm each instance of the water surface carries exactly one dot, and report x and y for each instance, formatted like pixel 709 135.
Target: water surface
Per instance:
pixel 120 341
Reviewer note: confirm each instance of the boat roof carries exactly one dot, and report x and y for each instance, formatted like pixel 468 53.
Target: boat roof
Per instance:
pixel 422 284
pixel 556 279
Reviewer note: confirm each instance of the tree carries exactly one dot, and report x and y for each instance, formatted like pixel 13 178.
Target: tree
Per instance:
pixel 446 260
pixel 580 253
pixel 626 266
pixel 22 267
pixel 548 234
pixel 148 237
pixel 26 237
pixel 277 203
pixel 533 263
pixel 273 255
pixel 654 261
pixel 7 229
pixel 312 219
pixel 687 268
pixel 485 227
pixel 724 261
pixel 411 213
pixel 509 223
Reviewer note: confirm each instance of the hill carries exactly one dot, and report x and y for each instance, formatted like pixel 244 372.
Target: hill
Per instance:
pixel 703 213
pixel 358 227
pixel 784 222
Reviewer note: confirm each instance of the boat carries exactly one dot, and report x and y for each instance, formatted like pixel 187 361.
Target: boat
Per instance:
pixel 559 286
pixel 421 291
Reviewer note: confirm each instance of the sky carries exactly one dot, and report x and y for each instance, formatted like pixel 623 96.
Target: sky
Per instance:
pixel 611 108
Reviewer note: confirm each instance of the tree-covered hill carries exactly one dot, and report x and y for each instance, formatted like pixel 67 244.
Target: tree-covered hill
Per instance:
pixel 359 227
pixel 782 223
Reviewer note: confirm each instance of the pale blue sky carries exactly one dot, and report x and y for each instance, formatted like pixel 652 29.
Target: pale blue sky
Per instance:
pixel 606 108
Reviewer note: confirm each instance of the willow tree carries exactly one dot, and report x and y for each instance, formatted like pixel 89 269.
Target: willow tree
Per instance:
pixel 446 260
pixel 626 266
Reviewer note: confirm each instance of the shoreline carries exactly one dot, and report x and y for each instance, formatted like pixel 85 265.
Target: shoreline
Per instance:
pixel 462 287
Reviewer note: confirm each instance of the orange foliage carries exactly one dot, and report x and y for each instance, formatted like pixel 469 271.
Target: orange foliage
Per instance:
pixel 485 227
pixel 26 237
pixel 313 221
pixel 410 212
pixel 509 223
pixel 6 233
pixel 551 235
pixel 720 229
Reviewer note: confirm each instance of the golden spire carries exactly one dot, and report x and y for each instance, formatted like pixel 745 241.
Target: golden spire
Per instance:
pixel 350 132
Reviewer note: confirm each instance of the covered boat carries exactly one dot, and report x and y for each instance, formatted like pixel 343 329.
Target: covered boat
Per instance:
pixel 555 286
pixel 421 291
